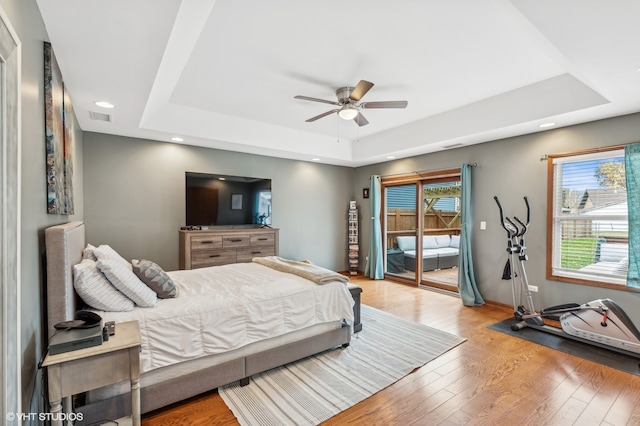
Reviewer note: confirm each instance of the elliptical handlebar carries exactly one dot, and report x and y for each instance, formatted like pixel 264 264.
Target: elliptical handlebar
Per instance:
pixel 502 221
pixel 514 231
pixel 524 227
pixel 509 225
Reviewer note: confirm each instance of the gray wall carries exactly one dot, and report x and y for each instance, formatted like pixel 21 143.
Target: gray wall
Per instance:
pixel 511 168
pixel 25 18
pixel 135 198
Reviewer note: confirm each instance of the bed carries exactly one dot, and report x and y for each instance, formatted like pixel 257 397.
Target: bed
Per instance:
pixel 169 376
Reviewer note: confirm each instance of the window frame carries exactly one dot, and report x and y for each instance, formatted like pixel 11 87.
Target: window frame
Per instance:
pixel 578 278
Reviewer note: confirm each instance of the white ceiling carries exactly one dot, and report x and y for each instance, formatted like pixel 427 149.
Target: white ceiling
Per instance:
pixel 224 73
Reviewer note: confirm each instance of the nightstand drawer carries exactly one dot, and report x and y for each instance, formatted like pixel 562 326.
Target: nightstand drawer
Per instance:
pixel 206 242
pixel 203 258
pixel 234 241
pixel 245 255
pixel 259 240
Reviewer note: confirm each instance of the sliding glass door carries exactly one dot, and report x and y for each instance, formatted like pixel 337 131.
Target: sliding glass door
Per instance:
pixel 425 205
pixel 441 234
pixel 401 224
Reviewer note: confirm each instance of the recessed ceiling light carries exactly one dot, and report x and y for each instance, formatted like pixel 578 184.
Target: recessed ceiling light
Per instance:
pixel 177 139
pixel 315 159
pixel 104 104
pixel 545 125
pixel 391 157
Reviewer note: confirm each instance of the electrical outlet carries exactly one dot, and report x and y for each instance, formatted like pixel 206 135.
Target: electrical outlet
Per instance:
pixel 533 288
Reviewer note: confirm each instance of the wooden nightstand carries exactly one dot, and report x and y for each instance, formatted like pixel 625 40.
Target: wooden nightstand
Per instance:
pixel 81 370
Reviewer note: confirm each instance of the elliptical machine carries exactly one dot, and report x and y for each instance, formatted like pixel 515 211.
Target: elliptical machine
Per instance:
pixel 601 322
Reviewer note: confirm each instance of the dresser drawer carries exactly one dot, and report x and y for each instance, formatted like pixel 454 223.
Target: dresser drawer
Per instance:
pixel 206 242
pixel 245 255
pixel 235 241
pixel 222 246
pixel 202 258
pixel 258 240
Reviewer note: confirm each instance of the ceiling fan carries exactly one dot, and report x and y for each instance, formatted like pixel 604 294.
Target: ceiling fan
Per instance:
pixel 348 98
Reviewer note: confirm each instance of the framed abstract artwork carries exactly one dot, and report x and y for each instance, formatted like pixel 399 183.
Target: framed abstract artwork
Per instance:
pixel 59 133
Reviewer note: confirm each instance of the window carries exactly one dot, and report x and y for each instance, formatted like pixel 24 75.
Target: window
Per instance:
pixel 588 225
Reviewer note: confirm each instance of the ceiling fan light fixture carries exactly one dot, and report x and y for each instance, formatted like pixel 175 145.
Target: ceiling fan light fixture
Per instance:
pixel 348 112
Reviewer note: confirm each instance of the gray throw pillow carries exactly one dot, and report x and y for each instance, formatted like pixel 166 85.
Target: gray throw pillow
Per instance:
pixel 155 278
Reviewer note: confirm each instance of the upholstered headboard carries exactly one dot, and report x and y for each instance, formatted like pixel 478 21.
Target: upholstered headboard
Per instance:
pixel 64 244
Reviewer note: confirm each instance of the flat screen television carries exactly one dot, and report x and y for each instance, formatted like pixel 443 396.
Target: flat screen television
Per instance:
pixel 224 200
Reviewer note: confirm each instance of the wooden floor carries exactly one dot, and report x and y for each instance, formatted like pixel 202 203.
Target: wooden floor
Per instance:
pixel 446 278
pixel 491 379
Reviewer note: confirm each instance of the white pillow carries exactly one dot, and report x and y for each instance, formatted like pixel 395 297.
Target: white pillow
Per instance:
pixel 429 242
pixel 123 278
pixel 406 243
pixel 88 253
pixel 104 252
pixel 443 241
pixel 455 241
pixel 96 291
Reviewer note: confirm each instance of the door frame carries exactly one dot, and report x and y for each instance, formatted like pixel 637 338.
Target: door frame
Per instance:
pixel 419 179
pixel 10 225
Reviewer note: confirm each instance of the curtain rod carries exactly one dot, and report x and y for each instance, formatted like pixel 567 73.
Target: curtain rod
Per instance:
pixel 544 157
pixel 419 173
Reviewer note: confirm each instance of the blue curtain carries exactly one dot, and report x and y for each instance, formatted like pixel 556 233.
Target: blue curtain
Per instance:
pixel 374 267
pixel 632 170
pixel 466 279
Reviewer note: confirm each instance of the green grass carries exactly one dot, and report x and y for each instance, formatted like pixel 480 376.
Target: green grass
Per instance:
pixel 578 252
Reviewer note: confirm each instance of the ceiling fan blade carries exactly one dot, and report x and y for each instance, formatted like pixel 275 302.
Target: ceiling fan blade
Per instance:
pixel 360 120
pixel 307 98
pixel 360 90
pixel 384 104
pixel 324 114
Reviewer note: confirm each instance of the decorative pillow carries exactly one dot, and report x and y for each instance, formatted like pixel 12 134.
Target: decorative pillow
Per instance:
pixel 455 241
pixel 88 253
pixel 406 243
pixel 123 278
pixel 96 291
pixel 443 241
pixel 429 242
pixel 103 252
pixel 155 277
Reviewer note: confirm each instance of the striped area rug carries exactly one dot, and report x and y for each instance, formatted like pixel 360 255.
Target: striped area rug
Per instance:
pixel 314 389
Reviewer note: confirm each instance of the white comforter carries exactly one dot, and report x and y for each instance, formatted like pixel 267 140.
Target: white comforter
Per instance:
pixel 226 307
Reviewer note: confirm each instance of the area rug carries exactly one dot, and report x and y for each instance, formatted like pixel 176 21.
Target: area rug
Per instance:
pixel 602 356
pixel 312 390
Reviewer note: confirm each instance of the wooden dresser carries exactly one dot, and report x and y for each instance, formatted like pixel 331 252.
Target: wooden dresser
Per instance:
pixel 214 247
